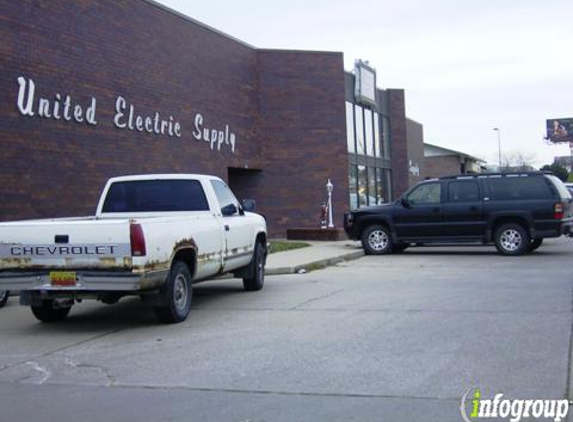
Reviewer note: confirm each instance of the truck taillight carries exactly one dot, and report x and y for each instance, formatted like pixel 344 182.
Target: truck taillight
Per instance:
pixel 558 211
pixel 137 240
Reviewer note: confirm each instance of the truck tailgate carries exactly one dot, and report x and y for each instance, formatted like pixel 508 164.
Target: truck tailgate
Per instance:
pixel 62 244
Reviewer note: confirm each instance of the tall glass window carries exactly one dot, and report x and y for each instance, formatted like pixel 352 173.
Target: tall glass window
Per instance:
pixel 353 186
pixel 386 136
pixel 359 117
pixel 388 174
pixel 380 186
pixel 377 143
pixel 372 186
pixel 350 128
pixel 369 136
pixel 362 186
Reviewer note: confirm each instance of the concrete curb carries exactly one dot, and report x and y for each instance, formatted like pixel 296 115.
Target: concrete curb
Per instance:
pixel 315 265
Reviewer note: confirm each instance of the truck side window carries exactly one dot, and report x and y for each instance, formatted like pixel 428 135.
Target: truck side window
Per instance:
pixel 463 191
pixel 224 194
pixel 428 193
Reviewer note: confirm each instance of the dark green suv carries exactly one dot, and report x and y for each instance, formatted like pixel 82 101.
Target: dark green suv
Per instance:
pixel 515 211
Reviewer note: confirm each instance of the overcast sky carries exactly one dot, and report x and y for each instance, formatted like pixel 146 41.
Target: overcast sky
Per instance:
pixel 467 66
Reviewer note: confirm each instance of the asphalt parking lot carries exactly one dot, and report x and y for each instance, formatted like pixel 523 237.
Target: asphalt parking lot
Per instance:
pixel 397 338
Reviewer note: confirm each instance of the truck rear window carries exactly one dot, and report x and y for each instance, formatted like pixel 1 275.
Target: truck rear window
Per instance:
pixel 155 195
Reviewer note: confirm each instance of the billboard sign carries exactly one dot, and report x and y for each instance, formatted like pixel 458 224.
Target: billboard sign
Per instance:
pixel 560 130
pixel 365 85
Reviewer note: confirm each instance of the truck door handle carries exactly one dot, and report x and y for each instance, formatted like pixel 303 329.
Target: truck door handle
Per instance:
pixel 226 228
pixel 436 210
pixel 474 209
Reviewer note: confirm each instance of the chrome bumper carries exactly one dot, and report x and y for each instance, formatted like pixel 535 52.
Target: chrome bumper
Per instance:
pixel 86 281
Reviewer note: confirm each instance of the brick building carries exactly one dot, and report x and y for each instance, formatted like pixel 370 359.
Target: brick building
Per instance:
pixel 441 161
pixel 101 88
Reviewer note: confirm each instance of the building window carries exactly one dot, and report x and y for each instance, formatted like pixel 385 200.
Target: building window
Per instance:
pixel 372 200
pixel 377 144
pixel 350 128
pixel 359 120
pixel 362 186
pixel 368 135
pixel 353 185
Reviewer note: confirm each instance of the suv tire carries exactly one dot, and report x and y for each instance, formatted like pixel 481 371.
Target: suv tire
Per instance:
pixel 377 240
pixel 511 239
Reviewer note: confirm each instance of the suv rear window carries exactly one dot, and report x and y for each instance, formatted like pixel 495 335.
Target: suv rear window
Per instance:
pixel 560 187
pixel 519 187
pixel 155 195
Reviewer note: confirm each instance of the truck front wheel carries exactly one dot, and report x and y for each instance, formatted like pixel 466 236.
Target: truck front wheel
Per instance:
pixel 177 295
pixel 46 312
pixel 256 278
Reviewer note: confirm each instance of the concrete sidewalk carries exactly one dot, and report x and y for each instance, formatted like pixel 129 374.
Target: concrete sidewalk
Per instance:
pixel 317 255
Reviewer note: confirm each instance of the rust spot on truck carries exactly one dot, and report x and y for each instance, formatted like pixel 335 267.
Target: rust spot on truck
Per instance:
pixel 15 262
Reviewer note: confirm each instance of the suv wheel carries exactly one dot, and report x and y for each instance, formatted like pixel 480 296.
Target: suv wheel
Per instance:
pixel 376 240
pixel 511 239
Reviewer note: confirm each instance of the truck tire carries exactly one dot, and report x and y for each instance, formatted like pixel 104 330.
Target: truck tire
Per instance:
pixel 256 279
pixel 377 240
pixel 534 244
pixel 178 293
pixel 47 313
pixel 511 239
pixel 3 297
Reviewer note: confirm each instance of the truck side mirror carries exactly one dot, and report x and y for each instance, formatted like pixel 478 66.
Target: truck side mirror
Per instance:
pixel 229 210
pixel 405 203
pixel 249 205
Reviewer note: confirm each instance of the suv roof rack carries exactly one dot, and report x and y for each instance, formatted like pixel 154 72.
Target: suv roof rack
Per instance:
pixel 496 175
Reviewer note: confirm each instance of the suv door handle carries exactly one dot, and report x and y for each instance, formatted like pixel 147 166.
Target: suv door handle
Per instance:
pixel 227 228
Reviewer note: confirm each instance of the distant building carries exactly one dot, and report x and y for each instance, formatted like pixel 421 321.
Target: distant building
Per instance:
pixel 441 161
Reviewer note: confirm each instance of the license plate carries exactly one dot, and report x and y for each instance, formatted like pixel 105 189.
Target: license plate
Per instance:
pixel 63 278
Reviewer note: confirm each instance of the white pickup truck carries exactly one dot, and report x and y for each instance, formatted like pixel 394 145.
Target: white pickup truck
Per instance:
pixel 152 236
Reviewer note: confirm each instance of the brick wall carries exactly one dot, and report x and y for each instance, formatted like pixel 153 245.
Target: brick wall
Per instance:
pixel 303 135
pixel 442 166
pixel 397 111
pixel 285 108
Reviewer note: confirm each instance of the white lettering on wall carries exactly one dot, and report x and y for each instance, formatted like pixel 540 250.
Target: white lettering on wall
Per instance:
pixel 126 117
pixel 50 109
pixel 213 136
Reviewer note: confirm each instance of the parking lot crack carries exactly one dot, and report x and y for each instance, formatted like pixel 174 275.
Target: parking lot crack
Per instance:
pixel 315 299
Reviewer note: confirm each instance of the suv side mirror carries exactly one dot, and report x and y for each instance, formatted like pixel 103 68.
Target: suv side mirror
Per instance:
pixel 249 205
pixel 405 203
pixel 229 210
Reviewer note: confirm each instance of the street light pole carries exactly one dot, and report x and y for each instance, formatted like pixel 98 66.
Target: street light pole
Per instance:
pixel 498 145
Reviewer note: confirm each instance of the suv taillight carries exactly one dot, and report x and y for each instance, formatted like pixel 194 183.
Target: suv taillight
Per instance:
pixel 558 211
pixel 137 240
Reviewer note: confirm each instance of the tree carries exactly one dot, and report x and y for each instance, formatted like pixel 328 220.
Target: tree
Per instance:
pixel 517 161
pixel 558 170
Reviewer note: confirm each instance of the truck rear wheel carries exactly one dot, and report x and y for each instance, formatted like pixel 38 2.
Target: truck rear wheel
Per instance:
pixel 256 279
pixel 177 294
pixel 4 297
pixel 46 312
